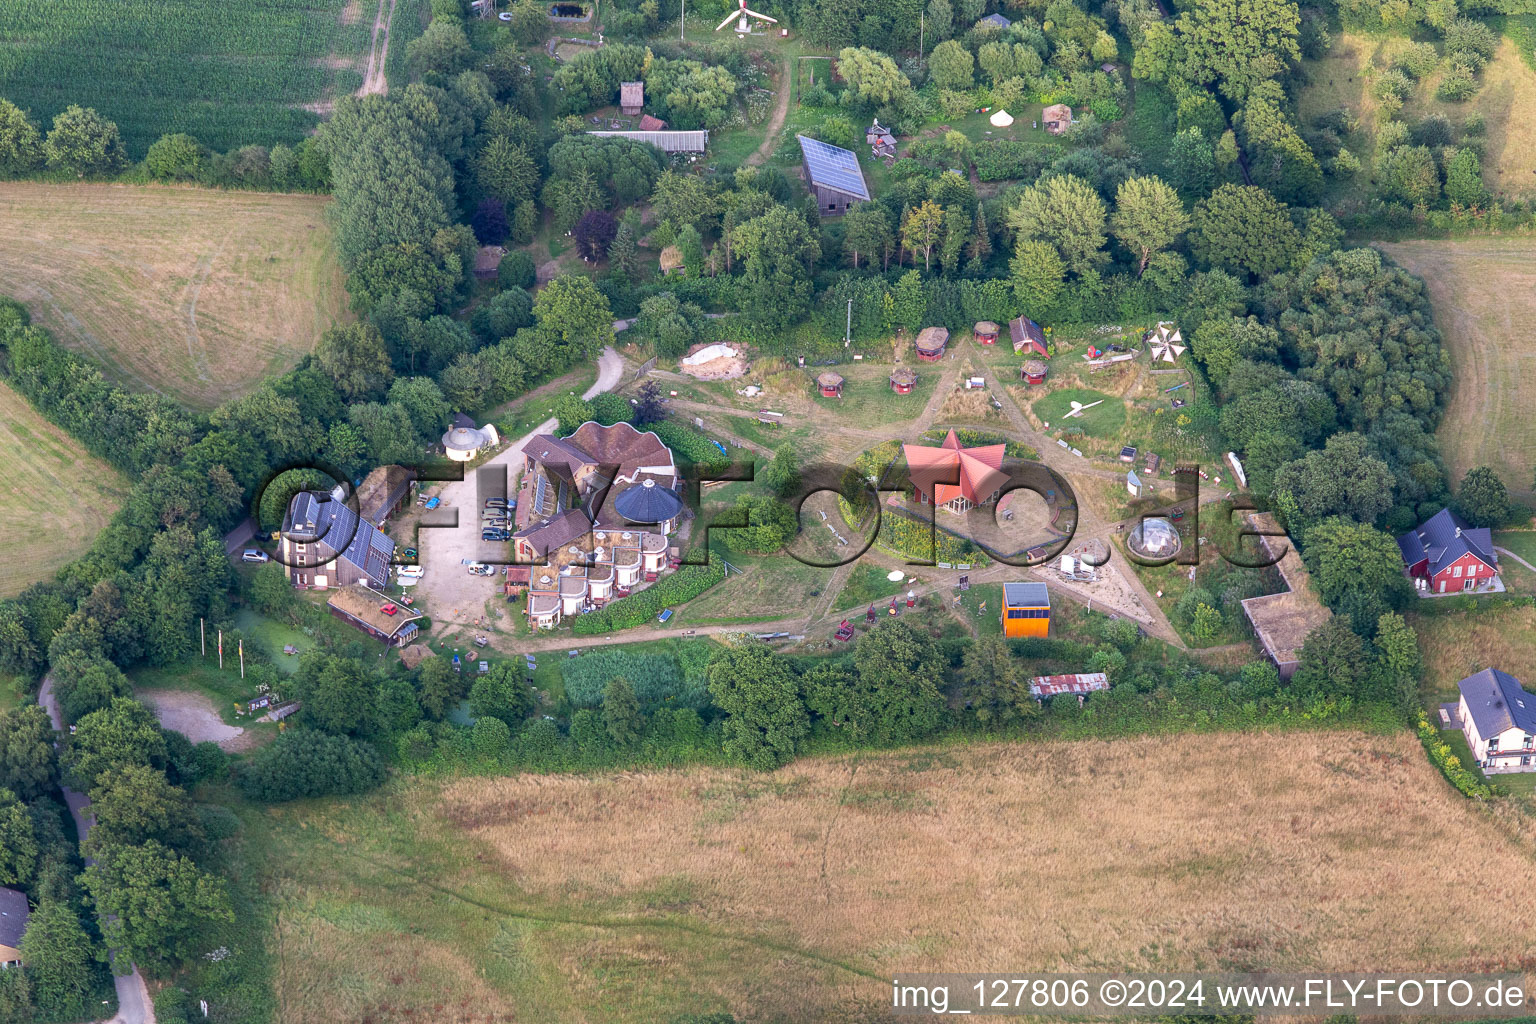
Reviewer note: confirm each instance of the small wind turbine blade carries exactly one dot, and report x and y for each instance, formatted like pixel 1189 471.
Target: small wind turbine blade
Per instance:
pixel 760 17
pixel 728 19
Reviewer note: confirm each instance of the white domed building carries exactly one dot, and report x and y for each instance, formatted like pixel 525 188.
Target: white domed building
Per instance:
pixel 464 440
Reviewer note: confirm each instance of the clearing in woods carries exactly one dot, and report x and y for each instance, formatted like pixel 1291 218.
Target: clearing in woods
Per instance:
pixel 56 497
pixel 794 895
pixel 1484 296
pixel 193 293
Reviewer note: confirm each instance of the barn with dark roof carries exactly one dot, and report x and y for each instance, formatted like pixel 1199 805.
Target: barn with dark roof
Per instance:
pixel 833 175
pixel 324 544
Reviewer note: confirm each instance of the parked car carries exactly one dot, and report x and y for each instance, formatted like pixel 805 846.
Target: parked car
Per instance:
pixel 666 613
pixel 495 502
pixel 433 503
pixel 414 572
pixel 496 535
pixel 389 609
pixel 254 555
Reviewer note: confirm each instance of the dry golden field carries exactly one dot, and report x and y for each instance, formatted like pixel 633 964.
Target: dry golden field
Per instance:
pixel 792 896
pixel 193 293
pixel 56 496
pixel 1483 291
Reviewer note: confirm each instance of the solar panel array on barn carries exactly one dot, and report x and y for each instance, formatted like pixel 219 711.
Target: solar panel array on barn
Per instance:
pixel 833 167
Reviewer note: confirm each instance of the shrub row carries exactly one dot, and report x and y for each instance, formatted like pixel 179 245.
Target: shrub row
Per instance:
pixel 684 585
pixel 1457 774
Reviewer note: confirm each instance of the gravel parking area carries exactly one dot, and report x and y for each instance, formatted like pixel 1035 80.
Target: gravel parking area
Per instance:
pixel 194 716
pixel 450 534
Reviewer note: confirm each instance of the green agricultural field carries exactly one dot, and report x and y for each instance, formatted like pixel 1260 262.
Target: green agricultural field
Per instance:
pixel 229 74
pixel 56 496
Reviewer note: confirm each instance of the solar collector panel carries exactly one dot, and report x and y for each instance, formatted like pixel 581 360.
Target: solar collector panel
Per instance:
pixel 833 167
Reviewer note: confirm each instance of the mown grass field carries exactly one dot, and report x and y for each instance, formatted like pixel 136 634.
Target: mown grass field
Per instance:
pixel 1484 294
pixel 794 895
pixel 56 497
pixel 193 293
pixel 229 74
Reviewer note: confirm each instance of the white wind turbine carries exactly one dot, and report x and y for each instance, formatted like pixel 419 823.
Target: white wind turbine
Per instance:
pixel 742 27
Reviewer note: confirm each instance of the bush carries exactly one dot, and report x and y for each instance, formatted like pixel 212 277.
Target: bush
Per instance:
pixel 306 763
pixel 1418 60
pixel 1457 85
pixel 684 585
pixel 516 270
pixel 1004 159
pixel 1394 84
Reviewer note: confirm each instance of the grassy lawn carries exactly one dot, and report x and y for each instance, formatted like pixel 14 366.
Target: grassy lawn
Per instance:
pixel 223 687
pixel 1101 421
pixel 194 293
pixel 772 587
pixel 981 606
pixel 11 694
pixel 1458 643
pixel 55 492
pixel 636 896
pixel 518 418
pixel 273 636
pixel 867 584
pixel 1521 542
pixel 1483 291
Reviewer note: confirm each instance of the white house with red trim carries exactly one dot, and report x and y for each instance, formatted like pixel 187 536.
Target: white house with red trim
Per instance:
pixel 1445 555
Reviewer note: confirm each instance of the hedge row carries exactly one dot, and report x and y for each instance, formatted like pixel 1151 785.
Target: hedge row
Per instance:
pixel 684 585
pixel 1457 774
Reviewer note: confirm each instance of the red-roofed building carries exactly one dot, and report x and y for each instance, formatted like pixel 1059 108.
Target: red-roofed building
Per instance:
pixel 651 124
pixel 955 477
pixel 1081 683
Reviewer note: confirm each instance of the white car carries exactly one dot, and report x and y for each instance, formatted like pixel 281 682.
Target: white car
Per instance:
pixel 254 555
pixel 410 572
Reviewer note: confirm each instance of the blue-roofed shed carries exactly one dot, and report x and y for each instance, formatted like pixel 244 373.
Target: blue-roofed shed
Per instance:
pixel 996 19
pixel 833 175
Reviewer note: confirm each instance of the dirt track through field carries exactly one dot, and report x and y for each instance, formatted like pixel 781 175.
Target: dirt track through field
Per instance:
pixel 776 122
pixel 374 80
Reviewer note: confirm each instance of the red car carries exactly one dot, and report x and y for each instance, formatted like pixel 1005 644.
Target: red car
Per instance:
pixel 389 609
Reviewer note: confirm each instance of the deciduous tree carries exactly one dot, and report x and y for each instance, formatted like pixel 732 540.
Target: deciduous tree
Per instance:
pixel 1148 217
pixel 1066 213
pixel 766 716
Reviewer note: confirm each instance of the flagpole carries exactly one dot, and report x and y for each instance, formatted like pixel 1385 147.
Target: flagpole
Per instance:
pixel 202 635
pixel 221 650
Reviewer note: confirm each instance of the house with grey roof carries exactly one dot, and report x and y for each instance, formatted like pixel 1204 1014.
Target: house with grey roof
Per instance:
pixel 1445 555
pixel 324 544
pixel 995 19
pixel 13 925
pixel 1497 715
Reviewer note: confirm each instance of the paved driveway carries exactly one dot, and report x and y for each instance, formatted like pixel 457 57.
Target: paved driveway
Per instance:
pixel 448 593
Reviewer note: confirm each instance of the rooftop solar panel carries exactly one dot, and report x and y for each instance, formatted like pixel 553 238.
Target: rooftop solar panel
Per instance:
pixel 833 167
